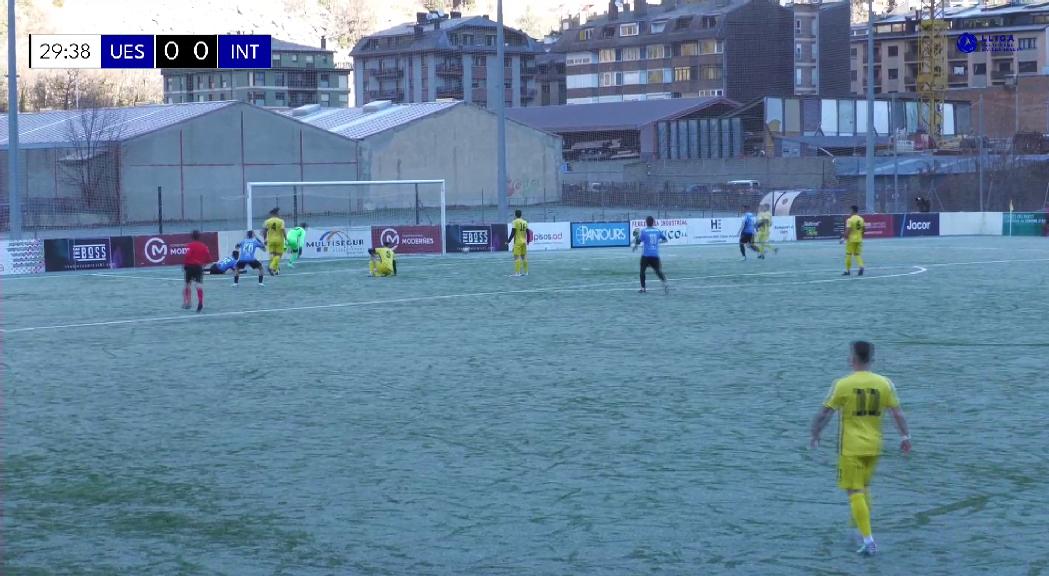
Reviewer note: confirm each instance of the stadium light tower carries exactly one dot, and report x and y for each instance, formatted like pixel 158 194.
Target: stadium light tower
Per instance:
pixel 869 200
pixel 500 107
pixel 15 201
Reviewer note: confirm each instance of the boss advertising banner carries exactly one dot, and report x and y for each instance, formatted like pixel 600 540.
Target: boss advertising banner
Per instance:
pixel 351 242
pixel 819 227
pixel 475 238
pixel 170 249
pixel 600 234
pixel 547 236
pixel 21 257
pixel 714 230
pixel 921 224
pixel 409 239
pixel 880 226
pixel 675 229
pixel 88 253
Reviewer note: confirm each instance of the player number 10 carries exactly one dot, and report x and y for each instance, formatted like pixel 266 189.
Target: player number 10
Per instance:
pixel 868 402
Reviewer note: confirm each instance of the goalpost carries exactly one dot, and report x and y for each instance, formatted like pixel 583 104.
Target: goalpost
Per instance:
pixel 350 203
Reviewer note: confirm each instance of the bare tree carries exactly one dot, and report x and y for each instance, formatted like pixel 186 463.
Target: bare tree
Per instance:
pixel 91 166
pixel 530 23
pixel 348 20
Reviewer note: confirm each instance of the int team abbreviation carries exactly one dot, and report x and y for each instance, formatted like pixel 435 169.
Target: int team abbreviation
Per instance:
pixel 112 51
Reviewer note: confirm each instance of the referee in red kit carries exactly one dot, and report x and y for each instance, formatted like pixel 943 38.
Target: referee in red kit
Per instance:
pixel 197 256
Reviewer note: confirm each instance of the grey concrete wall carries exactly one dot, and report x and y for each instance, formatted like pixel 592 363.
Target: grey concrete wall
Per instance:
pixel 468 78
pixel 457 145
pixel 771 172
pixel 359 75
pixel 431 75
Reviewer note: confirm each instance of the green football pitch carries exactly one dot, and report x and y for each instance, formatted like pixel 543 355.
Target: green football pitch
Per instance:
pixel 454 420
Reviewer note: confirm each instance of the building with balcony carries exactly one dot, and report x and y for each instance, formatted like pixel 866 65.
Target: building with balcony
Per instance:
pixel 820 42
pixel 299 75
pixel 446 57
pixel 1011 41
pixel 738 49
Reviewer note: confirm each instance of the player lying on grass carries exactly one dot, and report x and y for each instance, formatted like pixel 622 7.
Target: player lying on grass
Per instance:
pixel 274 234
pixel 296 242
pixel 197 255
pixel 860 399
pixel 247 248
pixel 651 237
pixel 382 261
pixel 226 264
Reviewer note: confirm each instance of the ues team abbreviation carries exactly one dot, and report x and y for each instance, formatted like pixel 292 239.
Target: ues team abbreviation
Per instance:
pixel 112 51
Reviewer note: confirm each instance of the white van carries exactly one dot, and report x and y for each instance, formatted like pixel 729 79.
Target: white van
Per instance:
pixel 744 185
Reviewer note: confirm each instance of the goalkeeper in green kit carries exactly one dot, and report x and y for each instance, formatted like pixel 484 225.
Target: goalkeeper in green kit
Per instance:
pixel 296 241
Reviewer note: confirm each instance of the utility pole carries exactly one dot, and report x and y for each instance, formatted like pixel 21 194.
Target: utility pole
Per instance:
pixel 15 200
pixel 870 107
pixel 979 151
pixel 895 154
pixel 500 107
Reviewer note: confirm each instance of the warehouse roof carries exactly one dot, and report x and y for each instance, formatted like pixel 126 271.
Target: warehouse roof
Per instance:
pixel 610 115
pixel 277 44
pixel 359 123
pixel 63 127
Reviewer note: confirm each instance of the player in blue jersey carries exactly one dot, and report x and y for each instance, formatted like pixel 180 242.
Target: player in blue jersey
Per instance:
pixel 747 232
pixel 650 238
pixel 225 265
pixel 247 248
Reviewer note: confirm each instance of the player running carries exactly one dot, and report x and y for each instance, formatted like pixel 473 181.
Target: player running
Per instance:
pixel 519 234
pixel 651 237
pixel 296 242
pixel 764 230
pixel 226 264
pixel 274 234
pixel 247 248
pixel 383 261
pixel 853 238
pixel 747 231
pixel 197 255
pixel 859 399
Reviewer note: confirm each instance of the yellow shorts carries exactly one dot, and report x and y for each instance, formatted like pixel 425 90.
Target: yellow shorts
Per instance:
pixel 855 472
pixel 520 250
pixel 763 236
pixel 275 249
pixel 853 248
pixel 383 271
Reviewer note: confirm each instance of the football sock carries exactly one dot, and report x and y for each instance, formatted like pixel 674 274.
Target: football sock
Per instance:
pixel 743 249
pixel 848 261
pixel 517 266
pixel 859 260
pixel 861 514
pixel 524 262
pixel 260 278
pixel 185 295
pixel 642 280
pixel 200 295
pixel 236 279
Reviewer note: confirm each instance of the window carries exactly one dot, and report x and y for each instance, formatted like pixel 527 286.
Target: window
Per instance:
pixel 489 40
pixel 309 58
pixel 259 79
pixel 325 98
pixel 628 29
pixel 211 97
pixel 894 73
pixel 225 81
pixel 276 60
pixel 294 57
pixel 1006 66
pixel 655 77
pixel 631 54
pixel 958 71
pixel 797 76
pixel 658 26
pixel 709 22
pixel 1028 67
pixel 655 52
pixel 576 81
pixel 853 75
pixel 711 73
pixel 894 51
pixel 579 58
pixel 682 23
pixel 607 78
pixel 480 61
pixel 608 32
pixel 979 69
pixel 607 55
pixel 631 78
pixel 797 25
pixel 689 49
pixel 453 39
pixel 708 47
pixel 852 52
pixel 586 34
pixel 1027 44
pixel 797 49
pixel 279 96
pixel 343 98
pixel 682 74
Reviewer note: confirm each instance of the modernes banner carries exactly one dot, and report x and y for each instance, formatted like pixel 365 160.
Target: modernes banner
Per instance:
pixel 600 234
pixel 675 229
pixel 351 242
pixel 21 257
pixel 714 230
pixel 170 249
pixel 409 239
pixel 920 224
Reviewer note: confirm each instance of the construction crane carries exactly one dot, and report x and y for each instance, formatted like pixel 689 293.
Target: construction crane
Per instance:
pixel 932 71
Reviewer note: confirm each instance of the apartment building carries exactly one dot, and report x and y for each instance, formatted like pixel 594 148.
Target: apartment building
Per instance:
pixel 820 42
pixel 739 49
pixel 986 46
pixel 299 75
pixel 446 57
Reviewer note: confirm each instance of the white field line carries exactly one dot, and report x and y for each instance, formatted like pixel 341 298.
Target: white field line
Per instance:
pixel 581 288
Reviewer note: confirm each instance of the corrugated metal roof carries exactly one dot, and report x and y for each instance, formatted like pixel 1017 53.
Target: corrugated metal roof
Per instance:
pixel 608 115
pixel 59 128
pixel 356 124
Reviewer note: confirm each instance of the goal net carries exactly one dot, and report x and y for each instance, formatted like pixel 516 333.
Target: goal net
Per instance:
pixel 410 214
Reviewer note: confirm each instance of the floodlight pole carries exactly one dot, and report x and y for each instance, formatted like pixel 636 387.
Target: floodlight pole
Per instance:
pixel 500 108
pixel 870 107
pixel 15 199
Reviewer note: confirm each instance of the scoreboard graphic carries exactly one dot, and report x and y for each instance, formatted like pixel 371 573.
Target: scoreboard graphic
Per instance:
pixel 114 51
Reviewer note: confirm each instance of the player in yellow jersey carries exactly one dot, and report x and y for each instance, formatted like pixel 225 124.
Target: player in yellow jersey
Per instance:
pixel 860 398
pixel 764 230
pixel 383 261
pixel 853 239
pixel 519 238
pixel 274 234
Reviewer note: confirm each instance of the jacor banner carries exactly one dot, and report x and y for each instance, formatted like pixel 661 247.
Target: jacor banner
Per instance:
pixel 21 257
pixel 714 230
pixel 409 239
pixel 352 242
pixel 170 249
pixel 676 229
pixel 919 224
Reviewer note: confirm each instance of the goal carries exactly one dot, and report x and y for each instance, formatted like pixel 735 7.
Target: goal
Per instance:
pixel 351 204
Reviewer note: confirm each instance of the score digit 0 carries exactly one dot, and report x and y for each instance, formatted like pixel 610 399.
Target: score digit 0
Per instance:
pixel 187 51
